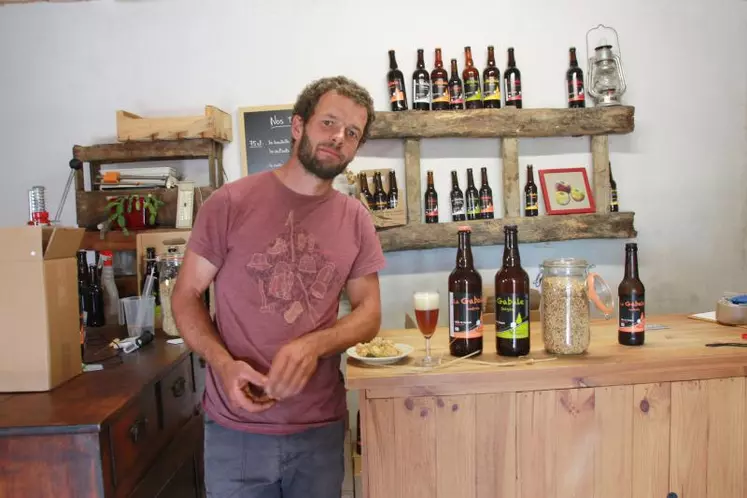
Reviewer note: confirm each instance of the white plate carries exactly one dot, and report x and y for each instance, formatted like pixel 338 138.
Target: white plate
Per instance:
pixel 405 350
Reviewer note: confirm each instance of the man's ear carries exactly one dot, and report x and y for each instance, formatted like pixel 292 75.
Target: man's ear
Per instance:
pixel 296 127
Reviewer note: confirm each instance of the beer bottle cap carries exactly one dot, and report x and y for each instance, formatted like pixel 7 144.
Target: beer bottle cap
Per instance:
pixel 631 246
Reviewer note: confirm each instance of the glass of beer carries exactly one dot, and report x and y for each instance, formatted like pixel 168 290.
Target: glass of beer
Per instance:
pixel 426 313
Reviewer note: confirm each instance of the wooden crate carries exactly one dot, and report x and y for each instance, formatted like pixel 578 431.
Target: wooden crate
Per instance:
pixel 385 218
pixel 215 124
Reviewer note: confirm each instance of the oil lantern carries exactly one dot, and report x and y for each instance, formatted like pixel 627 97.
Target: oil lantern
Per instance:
pixel 605 75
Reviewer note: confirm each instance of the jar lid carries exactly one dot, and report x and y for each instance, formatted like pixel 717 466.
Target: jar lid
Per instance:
pixel 600 294
pixel 565 263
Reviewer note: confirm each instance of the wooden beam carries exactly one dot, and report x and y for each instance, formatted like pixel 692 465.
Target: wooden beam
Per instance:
pixel 511 191
pixel 145 151
pixel 490 232
pixel 600 162
pixel 505 122
pixel 412 180
pixel 90 206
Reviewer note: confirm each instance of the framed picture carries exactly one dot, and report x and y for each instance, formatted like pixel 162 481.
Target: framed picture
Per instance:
pixel 265 137
pixel 566 191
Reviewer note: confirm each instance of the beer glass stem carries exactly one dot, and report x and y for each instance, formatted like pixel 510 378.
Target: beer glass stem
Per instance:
pixel 428 348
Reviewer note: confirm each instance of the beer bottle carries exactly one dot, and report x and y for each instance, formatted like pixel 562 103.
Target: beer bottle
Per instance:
pixel 471 76
pixel 632 301
pixel 95 299
pixel 574 78
pixel 83 281
pixel 381 200
pixel 486 197
pixel 396 81
pixel 531 203
pixel 512 79
pixel 614 207
pixel 511 300
pixel 151 266
pixel 491 82
pixel 421 86
pixel 465 301
pixel 393 190
pixel 472 197
pixel 431 201
pixel 440 85
pixel 456 91
pixel 365 191
pixel 457 199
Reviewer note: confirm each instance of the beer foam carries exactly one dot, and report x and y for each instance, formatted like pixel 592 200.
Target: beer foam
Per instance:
pixel 426 301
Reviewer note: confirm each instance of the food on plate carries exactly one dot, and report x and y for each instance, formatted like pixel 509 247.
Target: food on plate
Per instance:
pixel 377 348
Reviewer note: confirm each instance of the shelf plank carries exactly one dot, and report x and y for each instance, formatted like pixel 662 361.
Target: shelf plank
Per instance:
pixel 90 206
pixel 504 122
pixel 115 240
pixel 197 148
pixel 490 232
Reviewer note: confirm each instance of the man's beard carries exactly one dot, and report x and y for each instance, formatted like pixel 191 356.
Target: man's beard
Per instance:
pixel 313 165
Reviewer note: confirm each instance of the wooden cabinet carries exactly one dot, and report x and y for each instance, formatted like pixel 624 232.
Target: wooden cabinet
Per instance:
pixel 132 430
pixel 669 417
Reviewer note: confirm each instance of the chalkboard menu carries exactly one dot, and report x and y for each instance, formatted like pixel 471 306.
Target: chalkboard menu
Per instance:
pixel 265 137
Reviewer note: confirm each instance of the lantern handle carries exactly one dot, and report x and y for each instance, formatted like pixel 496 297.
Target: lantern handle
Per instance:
pixel 600 26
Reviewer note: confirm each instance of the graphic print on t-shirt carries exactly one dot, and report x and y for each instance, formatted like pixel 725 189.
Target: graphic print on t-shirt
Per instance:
pixel 292 274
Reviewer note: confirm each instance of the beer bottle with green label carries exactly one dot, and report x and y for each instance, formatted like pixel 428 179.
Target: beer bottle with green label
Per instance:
pixel 511 300
pixel 471 77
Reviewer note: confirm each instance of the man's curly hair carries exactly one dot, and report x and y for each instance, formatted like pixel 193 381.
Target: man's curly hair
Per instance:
pixel 309 97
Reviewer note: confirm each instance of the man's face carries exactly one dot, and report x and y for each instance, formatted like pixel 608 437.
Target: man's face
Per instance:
pixel 330 138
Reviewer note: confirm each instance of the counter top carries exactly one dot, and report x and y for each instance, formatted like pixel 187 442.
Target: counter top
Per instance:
pixel 86 401
pixel 675 353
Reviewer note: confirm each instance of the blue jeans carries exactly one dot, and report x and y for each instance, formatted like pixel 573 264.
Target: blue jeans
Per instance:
pixel 309 464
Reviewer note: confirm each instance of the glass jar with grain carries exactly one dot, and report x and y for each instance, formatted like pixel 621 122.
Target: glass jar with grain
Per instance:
pixel 168 271
pixel 566 287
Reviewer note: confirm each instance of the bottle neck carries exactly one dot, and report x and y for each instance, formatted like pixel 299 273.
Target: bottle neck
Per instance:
pixel 468 58
pixel 454 181
pixel 491 57
pixel 392 61
pixel 530 175
pixel 421 61
pixel 631 264
pixel 511 257
pixel 484 178
pixel 511 60
pixel 574 62
pixel 454 70
pixel 430 181
pixel 464 252
pixel 439 60
pixel 470 179
pixel 392 181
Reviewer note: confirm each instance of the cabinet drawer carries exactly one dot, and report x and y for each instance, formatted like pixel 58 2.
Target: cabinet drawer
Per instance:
pixel 134 434
pixel 177 396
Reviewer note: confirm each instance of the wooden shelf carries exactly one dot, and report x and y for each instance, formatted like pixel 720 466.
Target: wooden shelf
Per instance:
pixel 90 206
pixel 116 240
pixel 196 148
pixel 504 122
pixel 490 232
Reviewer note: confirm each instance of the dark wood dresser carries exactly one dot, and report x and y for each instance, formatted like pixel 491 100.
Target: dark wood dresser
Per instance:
pixel 133 429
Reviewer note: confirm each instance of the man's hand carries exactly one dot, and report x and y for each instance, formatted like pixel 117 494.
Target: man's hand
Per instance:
pixel 237 378
pixel 291 369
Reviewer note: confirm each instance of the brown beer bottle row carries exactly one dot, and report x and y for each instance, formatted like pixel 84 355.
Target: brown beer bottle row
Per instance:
pixel 512 325
pixel 472 204
pixel 380 199
pixel 440 90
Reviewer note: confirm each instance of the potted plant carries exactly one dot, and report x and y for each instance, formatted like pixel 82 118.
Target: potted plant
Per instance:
pixel 132 212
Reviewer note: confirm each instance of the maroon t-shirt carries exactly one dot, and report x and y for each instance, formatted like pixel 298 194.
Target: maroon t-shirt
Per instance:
pixel 283 259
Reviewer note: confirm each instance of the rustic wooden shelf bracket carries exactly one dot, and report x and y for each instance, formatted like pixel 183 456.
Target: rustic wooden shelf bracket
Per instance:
pixel 412 180
pixel 511 188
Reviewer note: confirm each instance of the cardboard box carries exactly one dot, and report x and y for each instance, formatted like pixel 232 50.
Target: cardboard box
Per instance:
pixel 40 336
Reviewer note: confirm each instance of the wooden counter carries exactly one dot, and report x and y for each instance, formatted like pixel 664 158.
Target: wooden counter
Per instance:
pixel 133 429
pixel 627 422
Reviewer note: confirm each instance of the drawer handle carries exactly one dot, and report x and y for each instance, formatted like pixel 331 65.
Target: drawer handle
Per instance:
pixel 178 387
pixel 137 430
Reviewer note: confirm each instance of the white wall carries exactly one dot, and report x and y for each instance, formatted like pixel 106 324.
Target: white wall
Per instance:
pixel 65 68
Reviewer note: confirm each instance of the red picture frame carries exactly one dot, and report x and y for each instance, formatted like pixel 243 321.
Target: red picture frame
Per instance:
pixel 569 191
